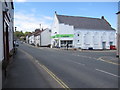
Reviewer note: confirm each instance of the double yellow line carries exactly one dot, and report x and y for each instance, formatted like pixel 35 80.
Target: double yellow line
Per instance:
pixel 107 61
pixel 59 81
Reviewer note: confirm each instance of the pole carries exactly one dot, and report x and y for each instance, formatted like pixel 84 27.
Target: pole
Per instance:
pixel 40 34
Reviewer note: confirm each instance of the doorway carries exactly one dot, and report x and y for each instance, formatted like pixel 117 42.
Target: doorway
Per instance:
pixel 104 45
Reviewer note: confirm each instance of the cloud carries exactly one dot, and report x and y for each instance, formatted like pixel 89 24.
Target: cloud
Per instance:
pixel 48 18
pixel 29 22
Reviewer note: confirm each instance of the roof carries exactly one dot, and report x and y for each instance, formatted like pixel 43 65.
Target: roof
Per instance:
pixel 85 22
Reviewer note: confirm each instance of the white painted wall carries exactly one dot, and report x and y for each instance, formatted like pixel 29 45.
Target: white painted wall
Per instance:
pixel 94 38
pixel 37 40
pixel 11 27
pixel 31 39
pixel 55 28
pixel 46 37
pixel 65 29
pixel 27 39
pixel 1 33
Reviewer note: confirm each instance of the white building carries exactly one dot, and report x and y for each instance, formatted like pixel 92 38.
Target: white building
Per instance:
pixel 32 39
pixel 27 39
pixel 46 37
pixel 6 35
pixel 6 29
pixel 82 32
pixel 43 38
pixel 38 39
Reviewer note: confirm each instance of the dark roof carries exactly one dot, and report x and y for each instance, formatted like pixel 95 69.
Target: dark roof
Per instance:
pixel 85 22
pixel 37 32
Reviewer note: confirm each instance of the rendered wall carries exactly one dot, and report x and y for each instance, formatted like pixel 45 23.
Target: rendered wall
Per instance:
pixel 94 38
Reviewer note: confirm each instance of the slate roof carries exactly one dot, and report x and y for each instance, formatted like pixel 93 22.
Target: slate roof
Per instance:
pixel 85 22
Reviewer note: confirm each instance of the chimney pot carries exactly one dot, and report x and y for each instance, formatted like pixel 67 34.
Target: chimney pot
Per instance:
pixel 102 17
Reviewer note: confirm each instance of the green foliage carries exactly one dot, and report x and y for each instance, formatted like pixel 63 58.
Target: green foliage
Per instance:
pixel 19 34
pixel 26 33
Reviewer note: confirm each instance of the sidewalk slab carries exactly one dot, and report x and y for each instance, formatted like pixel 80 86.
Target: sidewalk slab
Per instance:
pixel 22 73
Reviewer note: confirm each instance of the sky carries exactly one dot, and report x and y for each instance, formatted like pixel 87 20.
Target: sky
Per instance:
pixel 29 15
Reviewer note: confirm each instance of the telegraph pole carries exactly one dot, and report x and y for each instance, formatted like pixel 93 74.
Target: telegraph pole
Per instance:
pixel 118 31
pixel 40 34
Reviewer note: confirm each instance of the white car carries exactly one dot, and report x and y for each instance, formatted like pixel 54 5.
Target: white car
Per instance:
pixel 16 43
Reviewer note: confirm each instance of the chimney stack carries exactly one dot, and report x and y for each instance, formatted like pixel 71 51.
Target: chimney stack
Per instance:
pixel 55 12
pixel 102 17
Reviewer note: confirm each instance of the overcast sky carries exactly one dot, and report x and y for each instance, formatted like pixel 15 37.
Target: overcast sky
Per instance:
pixel 29 15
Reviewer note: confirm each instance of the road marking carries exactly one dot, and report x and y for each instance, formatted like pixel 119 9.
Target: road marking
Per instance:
pixel 98 59
pixel 59 81
pixel 77 62
pixel 55 77
pixel 107 61
pixel 107 73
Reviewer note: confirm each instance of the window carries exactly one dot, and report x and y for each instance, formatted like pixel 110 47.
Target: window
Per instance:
pixel 78 35
pixel 78 41
pixel 111 43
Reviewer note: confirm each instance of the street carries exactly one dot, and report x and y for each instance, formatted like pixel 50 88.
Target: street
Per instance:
pixel 78 69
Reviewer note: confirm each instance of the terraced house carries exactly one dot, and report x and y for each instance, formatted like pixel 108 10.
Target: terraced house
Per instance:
pixel 82 32
pixel 6 31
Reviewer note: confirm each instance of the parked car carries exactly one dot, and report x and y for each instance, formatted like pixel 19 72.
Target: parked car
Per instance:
pixel 112 47
pixel 16 43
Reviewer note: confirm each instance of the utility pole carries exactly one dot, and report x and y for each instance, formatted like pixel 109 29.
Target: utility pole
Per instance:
pixel 40 34
pixel 15 34
pixel 118 31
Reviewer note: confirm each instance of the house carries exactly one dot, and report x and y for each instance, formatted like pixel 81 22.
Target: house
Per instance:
pixel 118 32
pixel 38 39
pixel 82 32
pixel 42 38
pixel 46 37
pixel 27 37
pixel 6 31
pixel 31 37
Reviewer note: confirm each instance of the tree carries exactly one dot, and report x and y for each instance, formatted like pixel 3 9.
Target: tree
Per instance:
pixel 18 34
pixel 26 33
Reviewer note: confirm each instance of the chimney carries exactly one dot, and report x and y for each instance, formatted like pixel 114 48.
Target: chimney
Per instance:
pixel 102 17
pixel 55 12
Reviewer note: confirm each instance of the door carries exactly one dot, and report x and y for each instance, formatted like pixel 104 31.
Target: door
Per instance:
pixel 104 45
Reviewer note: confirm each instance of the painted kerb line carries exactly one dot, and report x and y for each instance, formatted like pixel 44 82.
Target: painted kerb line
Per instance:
pixel 107 61
pixel 59 81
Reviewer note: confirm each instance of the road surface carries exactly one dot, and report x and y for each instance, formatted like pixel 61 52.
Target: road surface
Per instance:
pixel 78 69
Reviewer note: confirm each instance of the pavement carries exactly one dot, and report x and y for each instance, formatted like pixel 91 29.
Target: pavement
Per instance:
pixel 79 69
pixel 23 72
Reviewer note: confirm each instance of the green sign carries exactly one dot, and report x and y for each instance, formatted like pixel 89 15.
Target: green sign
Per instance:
pixel 63 35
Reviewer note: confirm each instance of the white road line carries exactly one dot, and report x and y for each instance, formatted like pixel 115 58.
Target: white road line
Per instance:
pixel 77 62
pixel 107 73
